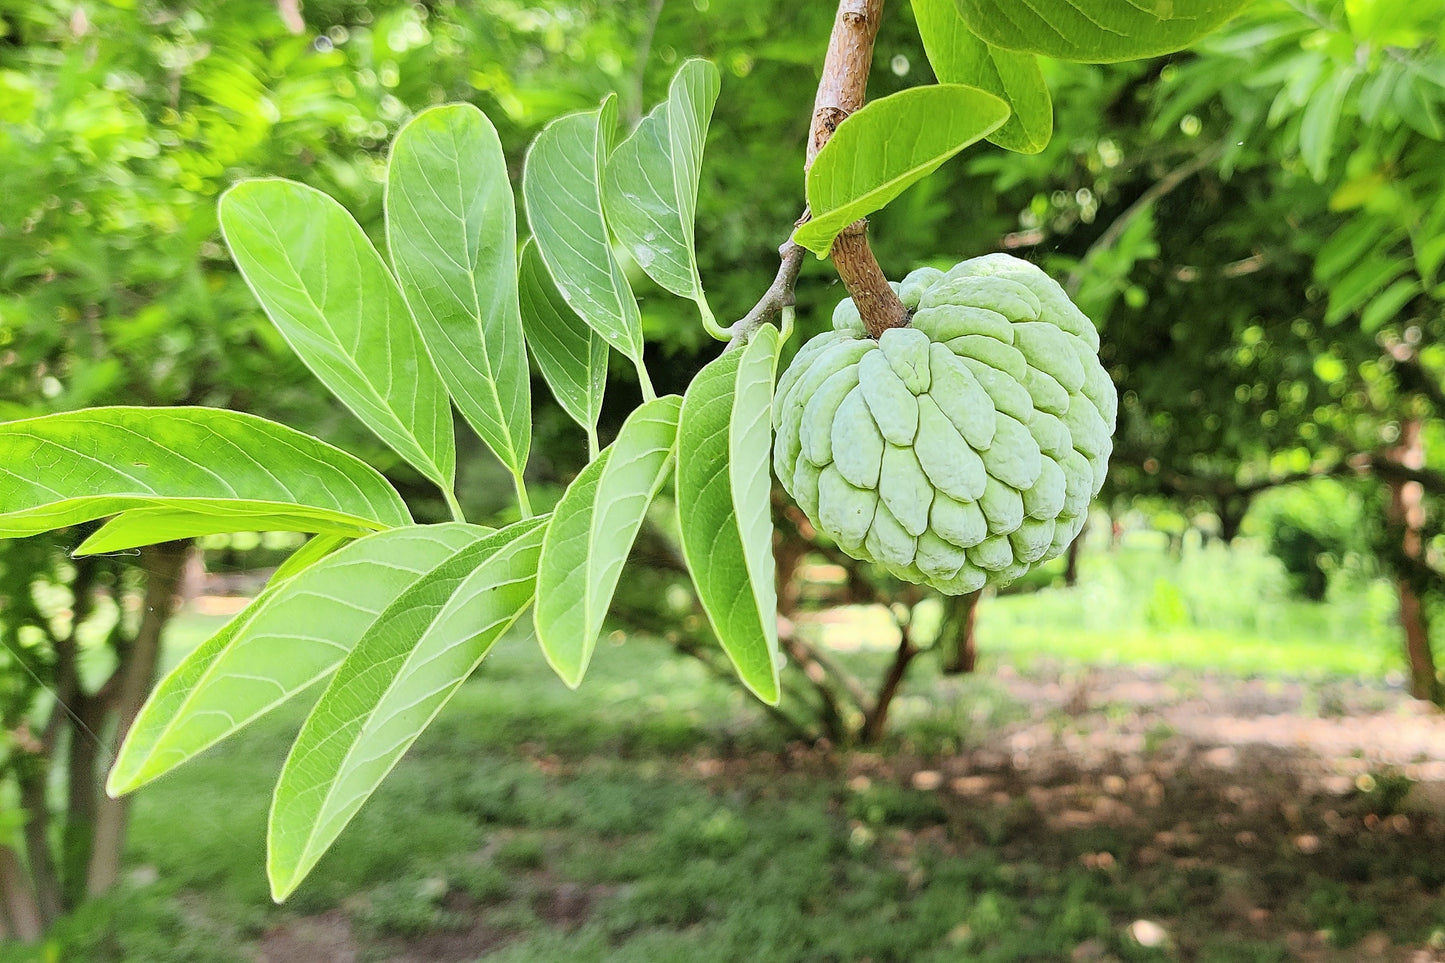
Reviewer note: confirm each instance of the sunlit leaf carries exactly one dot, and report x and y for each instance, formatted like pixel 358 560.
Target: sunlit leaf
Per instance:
pixel 562 185
pixel 333 299
pixel 78 466
pixel 390 687
pixel 723 482
pixel 888 145
pixel 650 185
pixel 451 225
pixel 959 57
pixel 1096 31
pixel 291 636
pixel 592 531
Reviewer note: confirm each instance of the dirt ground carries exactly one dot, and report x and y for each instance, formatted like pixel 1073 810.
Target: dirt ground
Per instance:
pixel 1307 817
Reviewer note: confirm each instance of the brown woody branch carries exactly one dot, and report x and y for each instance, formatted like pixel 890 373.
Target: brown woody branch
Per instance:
pixel 841 91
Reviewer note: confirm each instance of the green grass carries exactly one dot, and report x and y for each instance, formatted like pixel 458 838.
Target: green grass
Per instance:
pixel 653 816
pixel 1218 608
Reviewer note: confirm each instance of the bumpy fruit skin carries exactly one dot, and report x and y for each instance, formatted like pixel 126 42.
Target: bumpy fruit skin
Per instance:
pixel 958 451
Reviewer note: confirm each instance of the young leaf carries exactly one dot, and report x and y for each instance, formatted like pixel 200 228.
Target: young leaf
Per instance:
pixel 315 549
pixel 149 526
pixel 83 465
pixel 390 687
pixel 724 439
pixel 292 635
pixel 562 186
pixel 591 534
pixel 334 301
pixel 571 356
pixel 885 147
pixel 451 225
pixel 958 57
pixel 1095 31
pixel 650 186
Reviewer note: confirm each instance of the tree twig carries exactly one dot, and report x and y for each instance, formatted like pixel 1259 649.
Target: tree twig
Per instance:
pixel 841 90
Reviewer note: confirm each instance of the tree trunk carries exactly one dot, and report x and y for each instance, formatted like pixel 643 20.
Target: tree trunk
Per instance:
pixel 163 565
pixel 82 794
pixel 957 634
pixel 1071 558
pixel 21 912
pixel 1406 516
pixel 43 875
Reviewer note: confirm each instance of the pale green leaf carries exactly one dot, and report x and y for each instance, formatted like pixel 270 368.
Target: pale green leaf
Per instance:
pixel 881 150
pixel 390 687
pixel 291 636
pixel 650 185
pixel 149 526
pixel 333 299
pixel 571 356
pixel 451 225
pixel 959 57
pixel 1096 31
pixel 724 516
pixel 592 531
pixel 58 470
pixel 562 186
pixel 315 549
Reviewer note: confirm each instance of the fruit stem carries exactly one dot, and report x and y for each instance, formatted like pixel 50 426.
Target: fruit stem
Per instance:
pixel 842 90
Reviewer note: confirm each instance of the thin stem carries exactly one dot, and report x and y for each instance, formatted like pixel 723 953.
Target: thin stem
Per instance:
pixel 523 502
pixel 642 379
pixel 453 505
pixel 592 449
pixel 709 321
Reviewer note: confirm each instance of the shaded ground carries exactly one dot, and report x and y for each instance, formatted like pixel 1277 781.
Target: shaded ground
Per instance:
pixel 1113 814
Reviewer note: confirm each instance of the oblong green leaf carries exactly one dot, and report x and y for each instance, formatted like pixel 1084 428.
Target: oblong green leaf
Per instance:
pixel 334 301
pixel 315 549
pixel 571 356
pixel 291 636
pixel 562 187
pixel 650 184
pixel 1096 31
pixel 724 438
pixel 83 465
pixel 592 531
pixel 878 152
pixel 452 229
pixel 390 687
pixel 959 57
pixel 149 526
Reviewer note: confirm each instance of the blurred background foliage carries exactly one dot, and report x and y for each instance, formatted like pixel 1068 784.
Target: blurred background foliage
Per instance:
pixel 1256 225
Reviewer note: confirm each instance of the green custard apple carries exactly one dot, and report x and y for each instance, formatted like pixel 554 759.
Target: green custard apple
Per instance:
pixel 960 450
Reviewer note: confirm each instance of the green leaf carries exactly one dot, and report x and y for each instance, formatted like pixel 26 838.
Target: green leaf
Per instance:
pixel 390 687
pixel 724 439
pixel 1096 31
pixel 333 299
pixel 292 635
pixel 83 465
pixel 1320 120
pixel 451 225
pixel 315 549
pixel 650 185
pixel 148 526
pixel 959 57
pixel 561 184
pixel 878 152
pixel 571 356
pixel 1386 306
pixel 592 531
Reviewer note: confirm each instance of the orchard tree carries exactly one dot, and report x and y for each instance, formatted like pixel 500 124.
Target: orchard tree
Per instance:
pixel 950 428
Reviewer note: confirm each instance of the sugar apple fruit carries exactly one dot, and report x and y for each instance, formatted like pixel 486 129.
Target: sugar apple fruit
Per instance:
pixel 962 449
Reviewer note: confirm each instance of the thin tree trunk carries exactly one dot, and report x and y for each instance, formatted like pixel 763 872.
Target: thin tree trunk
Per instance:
pixel 163 565
pixel 1406 515
pixel 877 719
pixel 1071 557
pixel 82 795
pixel 22 913
pixel 43 875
